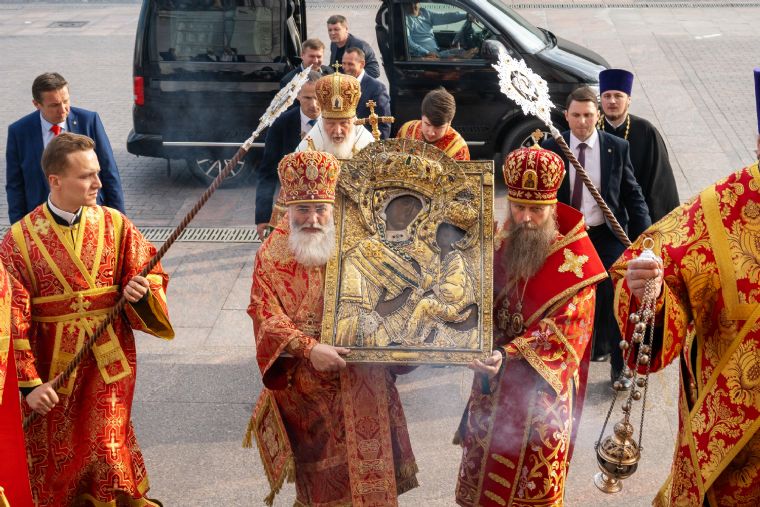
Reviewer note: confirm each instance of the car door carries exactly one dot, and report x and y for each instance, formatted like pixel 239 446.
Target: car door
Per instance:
pixel 452 33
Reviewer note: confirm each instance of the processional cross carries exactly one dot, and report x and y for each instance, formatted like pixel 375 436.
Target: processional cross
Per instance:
pixel 374 120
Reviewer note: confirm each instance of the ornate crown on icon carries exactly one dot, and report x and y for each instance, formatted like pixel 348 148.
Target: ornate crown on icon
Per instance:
pixel 462 211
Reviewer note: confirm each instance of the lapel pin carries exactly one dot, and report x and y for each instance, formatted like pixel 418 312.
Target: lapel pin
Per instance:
pixel 609 150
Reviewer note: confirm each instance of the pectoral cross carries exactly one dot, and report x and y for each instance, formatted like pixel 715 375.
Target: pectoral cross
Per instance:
pixel 374 120
pixel 502 318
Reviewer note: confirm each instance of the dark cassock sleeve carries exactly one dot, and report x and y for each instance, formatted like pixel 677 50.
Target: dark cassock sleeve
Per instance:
pixel 656 175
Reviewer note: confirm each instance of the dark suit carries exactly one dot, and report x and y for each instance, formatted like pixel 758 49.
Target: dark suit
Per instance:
pixel 324 70
pixel 374 89
pixel 623 196
pixel 372 66
pixel 282 138
pixel 26 185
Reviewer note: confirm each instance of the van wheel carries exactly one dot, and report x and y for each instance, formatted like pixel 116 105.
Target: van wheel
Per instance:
pixel 208 168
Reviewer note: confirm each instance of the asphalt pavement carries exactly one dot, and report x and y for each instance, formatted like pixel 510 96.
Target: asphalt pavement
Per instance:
pixel 693 81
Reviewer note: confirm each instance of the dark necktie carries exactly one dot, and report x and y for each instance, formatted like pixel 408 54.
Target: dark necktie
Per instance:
pixel 55 129
pixel 577 198
pixel 310 124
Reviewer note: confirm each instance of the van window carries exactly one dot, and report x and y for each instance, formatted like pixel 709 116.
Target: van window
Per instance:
pixel 438 30
pixel 218 30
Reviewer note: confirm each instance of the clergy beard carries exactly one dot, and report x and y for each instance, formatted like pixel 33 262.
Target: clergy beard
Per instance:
pixel 312 249
pixel 527 248
pixel 343 150
pixel 617 119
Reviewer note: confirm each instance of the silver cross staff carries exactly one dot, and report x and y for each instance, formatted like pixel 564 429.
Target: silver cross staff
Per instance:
pixel 530 92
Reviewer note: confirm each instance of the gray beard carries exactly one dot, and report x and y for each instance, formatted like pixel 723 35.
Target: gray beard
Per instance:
pixel 527 248
pixel 312 249
pixel 344 150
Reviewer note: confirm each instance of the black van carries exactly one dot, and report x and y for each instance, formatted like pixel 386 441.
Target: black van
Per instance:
pixel 205 71
pixel 490 123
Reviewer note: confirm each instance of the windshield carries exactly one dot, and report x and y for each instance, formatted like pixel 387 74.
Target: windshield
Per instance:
pixel 217 31
pixel 529 38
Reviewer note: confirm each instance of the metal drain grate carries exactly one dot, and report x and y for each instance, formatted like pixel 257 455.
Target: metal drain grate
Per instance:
pixel 193 234
pixel 204 234
pixel 67 24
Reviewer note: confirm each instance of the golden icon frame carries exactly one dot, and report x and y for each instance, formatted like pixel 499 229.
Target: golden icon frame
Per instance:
pixel 372 261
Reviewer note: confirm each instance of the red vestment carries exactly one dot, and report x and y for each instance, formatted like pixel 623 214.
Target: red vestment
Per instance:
pixel 518 435
pixel 69 278
pixel 452 144
pixel 342 435
pixel 709 315
pixel 14 479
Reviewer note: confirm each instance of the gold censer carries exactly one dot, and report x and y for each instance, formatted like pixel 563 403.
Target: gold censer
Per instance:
pixel 618 455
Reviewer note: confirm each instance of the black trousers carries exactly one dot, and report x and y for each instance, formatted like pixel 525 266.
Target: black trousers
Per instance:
pixel 606 336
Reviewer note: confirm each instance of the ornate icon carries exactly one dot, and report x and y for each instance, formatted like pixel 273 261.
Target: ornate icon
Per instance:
pixel 412 278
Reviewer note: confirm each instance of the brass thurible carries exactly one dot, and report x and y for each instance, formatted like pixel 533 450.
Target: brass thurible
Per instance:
pixel 618 455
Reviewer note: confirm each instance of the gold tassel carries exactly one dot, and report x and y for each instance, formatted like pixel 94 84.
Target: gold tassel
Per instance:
pixel 291 469
pixel 248 438
pixel 289 474
pixel 3 500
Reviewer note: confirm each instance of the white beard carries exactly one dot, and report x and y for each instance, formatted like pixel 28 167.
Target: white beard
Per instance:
pixel 344 150
pixel 312 249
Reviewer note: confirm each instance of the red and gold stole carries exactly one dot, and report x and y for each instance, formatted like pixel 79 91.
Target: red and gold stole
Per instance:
pixel 14 478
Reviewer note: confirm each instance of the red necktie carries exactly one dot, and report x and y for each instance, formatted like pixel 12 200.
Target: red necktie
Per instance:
pixel 577 198
pixel 55 129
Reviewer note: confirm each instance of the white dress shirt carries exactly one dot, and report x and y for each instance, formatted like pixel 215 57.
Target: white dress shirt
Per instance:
pixel 65 215
pixel 591 211
pixel 48 136
pixel 305 127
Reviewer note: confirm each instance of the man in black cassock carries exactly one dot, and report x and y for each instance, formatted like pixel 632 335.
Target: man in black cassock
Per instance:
pixel 649 155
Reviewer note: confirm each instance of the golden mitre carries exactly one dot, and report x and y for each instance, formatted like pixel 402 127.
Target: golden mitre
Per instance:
pixel 338 95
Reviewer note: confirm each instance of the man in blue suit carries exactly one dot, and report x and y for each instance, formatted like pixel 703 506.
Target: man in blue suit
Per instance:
pixel 25 184
pixel 372 89
pixel 341 40
pixel 607 161
pixel 283 138
pixel 312 52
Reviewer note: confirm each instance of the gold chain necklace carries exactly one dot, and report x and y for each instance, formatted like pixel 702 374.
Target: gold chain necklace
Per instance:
pixel 627 125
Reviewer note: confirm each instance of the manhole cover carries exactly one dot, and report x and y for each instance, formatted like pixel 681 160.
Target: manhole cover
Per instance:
pixel 67 24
